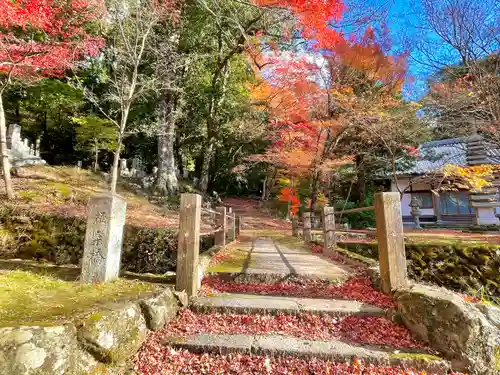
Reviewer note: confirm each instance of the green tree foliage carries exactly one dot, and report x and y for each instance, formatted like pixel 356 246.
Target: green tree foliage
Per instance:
pixel 94 134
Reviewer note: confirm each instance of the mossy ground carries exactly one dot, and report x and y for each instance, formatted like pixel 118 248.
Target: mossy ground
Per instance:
pixel 415 356
pixel 33 298
pixel 233 262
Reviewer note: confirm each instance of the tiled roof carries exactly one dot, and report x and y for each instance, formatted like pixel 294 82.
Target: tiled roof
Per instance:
pixel 434 155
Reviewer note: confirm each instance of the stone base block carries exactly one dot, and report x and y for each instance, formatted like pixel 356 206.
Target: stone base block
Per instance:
pixel 486 216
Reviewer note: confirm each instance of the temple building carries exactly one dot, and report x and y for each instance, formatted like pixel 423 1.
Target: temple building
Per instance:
pixel 456 207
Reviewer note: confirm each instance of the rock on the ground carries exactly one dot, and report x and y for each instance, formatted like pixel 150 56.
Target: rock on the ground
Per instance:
pixel 42 351
pixel 452 326
pixel 160 309
pixel 182 297
pixel 114 334
pixel 491 313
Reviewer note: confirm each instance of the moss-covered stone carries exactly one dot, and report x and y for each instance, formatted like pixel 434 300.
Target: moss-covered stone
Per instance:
pixel 451 326
pixel 461 266
pixel 160 309
pixel 416 356
pixel 34 350
pixel 116 335
pixel 29 235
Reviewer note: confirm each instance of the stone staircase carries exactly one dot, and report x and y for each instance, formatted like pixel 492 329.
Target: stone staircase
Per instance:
pixel 222 337
pixel 285 345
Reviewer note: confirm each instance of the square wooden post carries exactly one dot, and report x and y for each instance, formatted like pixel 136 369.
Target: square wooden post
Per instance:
pixel 232 224
pixel 306 218
pixel 328 229
pixel 295 226
pixel 188 244
pixel 220 235
pixel 238 225
pixel 391 246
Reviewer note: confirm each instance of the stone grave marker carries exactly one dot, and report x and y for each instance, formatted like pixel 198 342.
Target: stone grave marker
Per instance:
pixel 103 238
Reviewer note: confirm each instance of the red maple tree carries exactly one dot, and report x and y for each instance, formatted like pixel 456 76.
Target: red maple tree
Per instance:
pixel 41 38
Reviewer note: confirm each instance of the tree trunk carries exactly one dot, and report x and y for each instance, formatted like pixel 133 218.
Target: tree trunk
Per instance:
pixel 361 180
pixel 314 188
pixel 116 159
pixel 3 152
pixel 264 188
pixel 166 182
pixel 205 167
pixel 96 157
pixel 114 168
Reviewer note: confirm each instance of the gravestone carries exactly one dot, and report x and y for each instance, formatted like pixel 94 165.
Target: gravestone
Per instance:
pixel 103 238
pixel 20 152
pixel 37 146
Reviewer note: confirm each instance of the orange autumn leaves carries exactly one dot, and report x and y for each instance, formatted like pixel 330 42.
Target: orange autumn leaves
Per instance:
pixel 289 195
pixel 300 95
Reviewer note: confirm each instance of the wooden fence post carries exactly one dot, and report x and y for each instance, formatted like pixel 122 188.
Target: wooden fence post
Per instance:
pixel 328 229
pixel 306 226
pixel 232 224
pixel 237 224
pixel 220 235
pixel 391 247
pixel 295 226
pixel 188 244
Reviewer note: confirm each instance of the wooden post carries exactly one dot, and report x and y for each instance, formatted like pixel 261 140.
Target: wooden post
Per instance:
pixel 232 224
pixel 188 244
pixel 391 247
pixel 220 235
pixel 328 229
pixel 306 218
pixel 237 224
pixel 295 226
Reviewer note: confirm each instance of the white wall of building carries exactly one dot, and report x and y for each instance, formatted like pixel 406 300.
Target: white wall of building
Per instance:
pixel 403 184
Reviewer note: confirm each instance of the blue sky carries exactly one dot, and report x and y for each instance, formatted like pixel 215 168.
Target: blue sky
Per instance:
pixel 406 21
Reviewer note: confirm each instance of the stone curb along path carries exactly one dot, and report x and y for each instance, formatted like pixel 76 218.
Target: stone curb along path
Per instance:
pixel 110 335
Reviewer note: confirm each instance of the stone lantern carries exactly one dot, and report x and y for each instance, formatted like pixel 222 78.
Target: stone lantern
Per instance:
pixel 415 212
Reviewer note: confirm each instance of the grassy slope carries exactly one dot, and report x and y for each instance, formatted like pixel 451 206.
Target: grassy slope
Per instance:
pixel 34 298
pixel 39 293
pixel 65 191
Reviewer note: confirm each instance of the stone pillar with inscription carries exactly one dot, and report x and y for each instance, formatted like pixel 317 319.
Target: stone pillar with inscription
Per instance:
pixel 103 238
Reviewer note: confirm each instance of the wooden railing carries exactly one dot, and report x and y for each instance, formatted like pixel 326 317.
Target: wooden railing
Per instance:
pixel 391 248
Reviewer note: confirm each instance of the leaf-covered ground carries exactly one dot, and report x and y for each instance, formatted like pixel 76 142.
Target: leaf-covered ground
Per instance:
pixel 364 330
pixel 357 289
pixel 157 359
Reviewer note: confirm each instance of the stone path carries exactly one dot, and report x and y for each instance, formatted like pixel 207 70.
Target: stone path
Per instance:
pixel 256 259
pixel 267 257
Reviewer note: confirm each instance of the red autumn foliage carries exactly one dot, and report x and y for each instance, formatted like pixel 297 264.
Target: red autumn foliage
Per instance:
pixel 314 17
pixel 45 37
pixel 357 288
pixel 157 359
pixel 289 195
pixel 366 330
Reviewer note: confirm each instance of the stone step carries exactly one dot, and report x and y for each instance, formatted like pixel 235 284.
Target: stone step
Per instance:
pixel 255 304
pixel 251 276
pixel 280 345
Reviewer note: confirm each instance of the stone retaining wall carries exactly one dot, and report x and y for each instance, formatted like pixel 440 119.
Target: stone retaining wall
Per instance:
pixel 467 334
pixel 459 267
pixel 105 338
pixel 60 240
